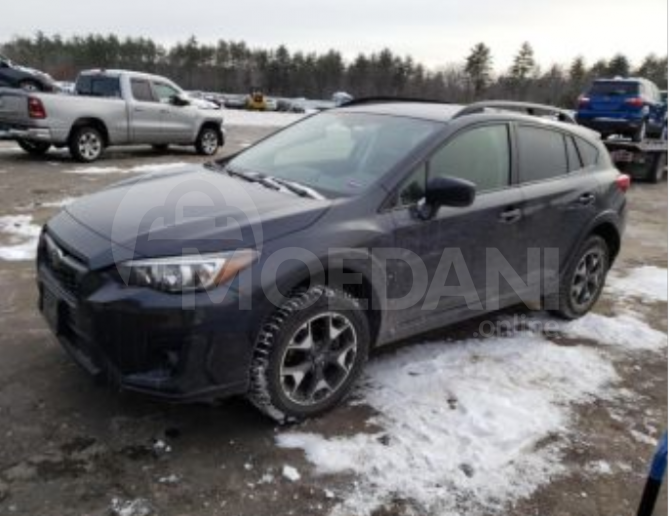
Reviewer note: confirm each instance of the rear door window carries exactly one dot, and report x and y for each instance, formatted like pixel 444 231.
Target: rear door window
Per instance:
pixel 574 163
pixel 588 152
pixel 99 86
pixel 542 154
pixel 142 90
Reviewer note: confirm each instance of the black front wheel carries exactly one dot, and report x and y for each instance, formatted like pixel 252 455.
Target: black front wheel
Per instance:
pixel 309 354
pixel 582 284
pixel 34 148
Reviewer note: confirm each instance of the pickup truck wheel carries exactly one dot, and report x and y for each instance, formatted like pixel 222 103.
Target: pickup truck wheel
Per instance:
pixel 34 148
pixel 582 284
pixel 86 144
pixel 207 143
pixel 309 354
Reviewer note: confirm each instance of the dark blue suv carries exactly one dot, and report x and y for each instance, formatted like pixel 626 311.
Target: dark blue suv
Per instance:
pixel 630 107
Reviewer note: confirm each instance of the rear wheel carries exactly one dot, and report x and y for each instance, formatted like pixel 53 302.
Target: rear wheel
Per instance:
pixel 658 169
pixel 582 284
pixel 86 144
pixel 309 354
pixel 207 143
pixel 34 148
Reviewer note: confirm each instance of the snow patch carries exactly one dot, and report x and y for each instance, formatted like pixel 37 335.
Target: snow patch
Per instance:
pixel 624 331
pixel 152 167
pixel 648 283
pixel 21 237
pixel 463 423
pixel 138 507
pixel 260 119
pixel 59 204
pixel 290 473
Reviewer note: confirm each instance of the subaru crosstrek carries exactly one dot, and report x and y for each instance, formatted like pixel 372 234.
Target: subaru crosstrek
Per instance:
pixel 274 273
pixel 629 107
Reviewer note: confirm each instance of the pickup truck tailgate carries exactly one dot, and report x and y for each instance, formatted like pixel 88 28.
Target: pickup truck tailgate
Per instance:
pixel 13 106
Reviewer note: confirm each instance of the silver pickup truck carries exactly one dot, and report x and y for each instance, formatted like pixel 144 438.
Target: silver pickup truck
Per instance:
pixel 110 107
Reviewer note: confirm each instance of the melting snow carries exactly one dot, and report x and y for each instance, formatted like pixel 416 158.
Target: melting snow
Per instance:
pixel 253 118
pixel 461 422
pixel 624 331
pixel 291 473
pixel 152 167
pixel 20 236
pixel 648 283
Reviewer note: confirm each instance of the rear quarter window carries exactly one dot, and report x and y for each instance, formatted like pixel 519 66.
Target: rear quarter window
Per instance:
pixel 588 152
pixel 542 154
pixel 98 86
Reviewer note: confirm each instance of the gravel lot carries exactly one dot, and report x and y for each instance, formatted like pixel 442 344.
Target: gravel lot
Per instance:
pixel 69 447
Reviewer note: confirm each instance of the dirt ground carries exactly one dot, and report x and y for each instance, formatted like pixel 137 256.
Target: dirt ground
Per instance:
pixel 68 447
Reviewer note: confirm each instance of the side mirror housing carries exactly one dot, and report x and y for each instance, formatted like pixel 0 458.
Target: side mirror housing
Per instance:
pixel 179 100
pixel 446 191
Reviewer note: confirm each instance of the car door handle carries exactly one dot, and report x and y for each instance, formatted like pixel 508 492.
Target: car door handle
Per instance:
pixel 510 216
pixel 586 199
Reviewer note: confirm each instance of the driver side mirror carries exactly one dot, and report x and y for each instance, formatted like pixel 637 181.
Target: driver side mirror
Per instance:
pixel 179 100
pixel 446 191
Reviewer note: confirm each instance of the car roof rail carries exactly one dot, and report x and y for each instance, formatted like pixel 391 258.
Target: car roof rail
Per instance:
pixel 380 99
pixel 527 108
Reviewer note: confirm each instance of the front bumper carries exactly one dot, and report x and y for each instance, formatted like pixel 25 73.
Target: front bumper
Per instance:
pixel 145 341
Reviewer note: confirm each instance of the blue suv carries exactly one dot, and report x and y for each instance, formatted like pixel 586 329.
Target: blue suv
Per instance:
pixel 630 107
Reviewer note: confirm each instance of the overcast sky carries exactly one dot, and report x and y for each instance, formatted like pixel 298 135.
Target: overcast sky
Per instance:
pixel 434 32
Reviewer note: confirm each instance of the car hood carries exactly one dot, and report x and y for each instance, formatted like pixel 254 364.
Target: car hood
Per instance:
pixel 183 211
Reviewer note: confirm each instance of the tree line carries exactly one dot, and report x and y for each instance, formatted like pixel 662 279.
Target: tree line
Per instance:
pixel 234 67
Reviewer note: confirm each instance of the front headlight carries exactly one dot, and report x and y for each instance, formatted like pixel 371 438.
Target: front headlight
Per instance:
pixel 187 273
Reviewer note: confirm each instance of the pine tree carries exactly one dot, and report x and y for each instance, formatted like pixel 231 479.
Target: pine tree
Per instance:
pixel 478 67
pixel 619 66
pixel 524 63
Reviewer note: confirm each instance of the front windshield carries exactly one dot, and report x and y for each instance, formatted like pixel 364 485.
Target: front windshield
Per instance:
pixel 337 153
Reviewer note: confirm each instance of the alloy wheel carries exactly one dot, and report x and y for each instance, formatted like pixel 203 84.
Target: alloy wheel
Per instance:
pixel 318 359
pixel 588 278
pixel 90 145
pixel 210 142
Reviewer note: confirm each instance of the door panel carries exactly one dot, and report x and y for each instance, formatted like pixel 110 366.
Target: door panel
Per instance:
pixel 473 232
pixel 145 114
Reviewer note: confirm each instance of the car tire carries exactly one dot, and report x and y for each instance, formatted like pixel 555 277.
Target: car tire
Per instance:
pixel 581 285
pixel 86 144
pixel 29 85
pixel 208 142
pixel 299 370
pixel 658 169
pixel 34 148
pixel 163 147
pixel 641 134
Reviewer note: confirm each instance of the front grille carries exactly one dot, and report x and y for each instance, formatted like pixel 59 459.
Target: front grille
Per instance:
pixel 66 269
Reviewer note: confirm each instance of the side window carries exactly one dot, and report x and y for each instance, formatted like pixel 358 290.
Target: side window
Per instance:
pixel 588 152
pixel 480 155
pixel 413 189
pixel 164 92
pixel 541 154
pixel 142 90
pixel 94 86
pixel 574 163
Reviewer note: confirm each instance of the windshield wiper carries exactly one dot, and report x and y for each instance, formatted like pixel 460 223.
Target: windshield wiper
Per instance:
pixel 274 183
pixel 297 188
